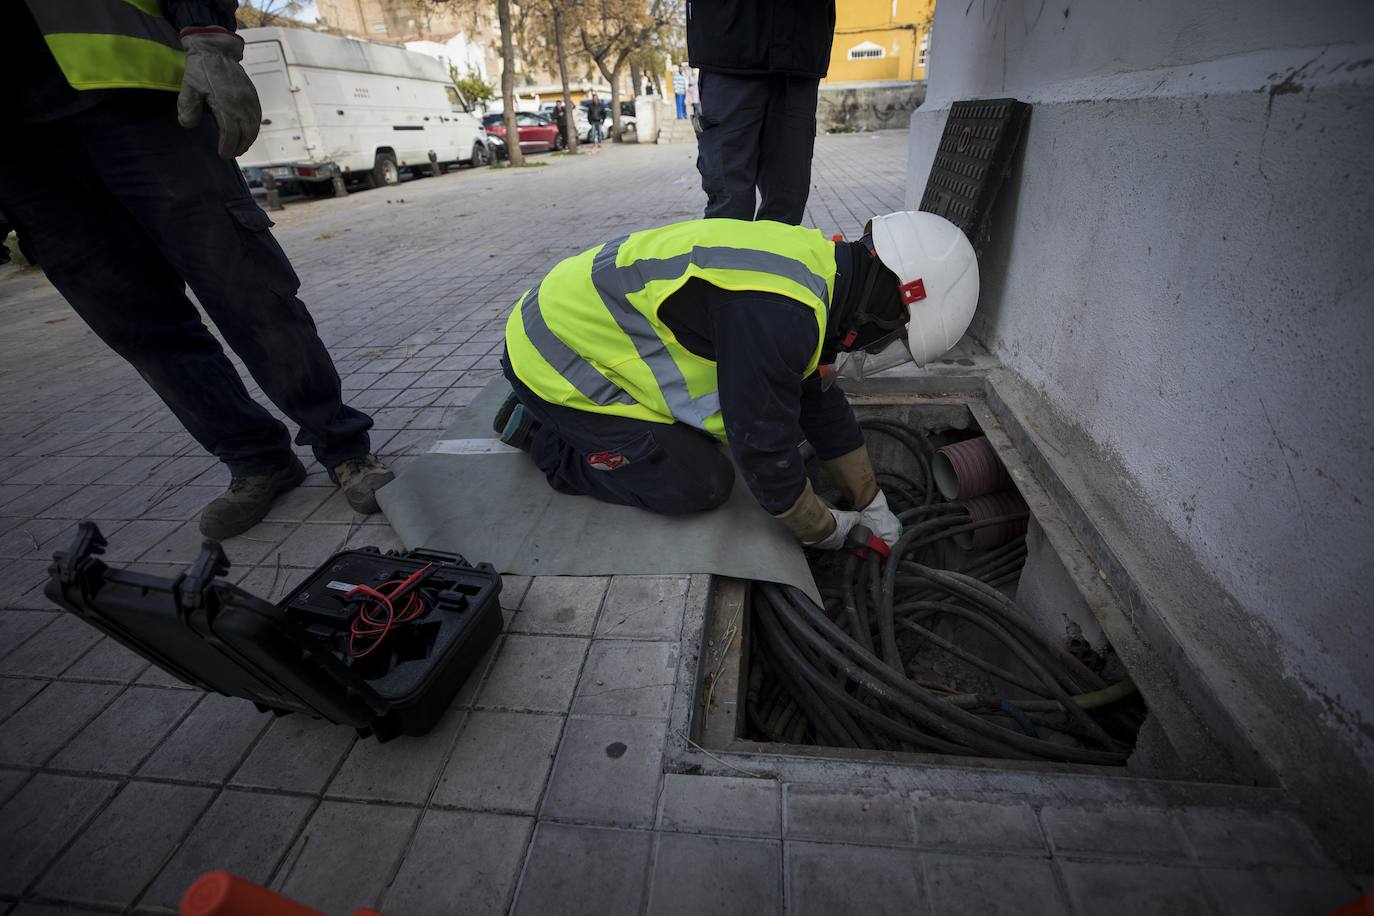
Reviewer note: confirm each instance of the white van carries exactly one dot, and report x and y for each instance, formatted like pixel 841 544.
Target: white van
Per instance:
pixel 343 107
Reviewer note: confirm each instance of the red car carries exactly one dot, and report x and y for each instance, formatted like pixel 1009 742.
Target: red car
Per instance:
pixel 536 131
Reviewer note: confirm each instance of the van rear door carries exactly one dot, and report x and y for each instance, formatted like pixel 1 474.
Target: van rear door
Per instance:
pixel 282 136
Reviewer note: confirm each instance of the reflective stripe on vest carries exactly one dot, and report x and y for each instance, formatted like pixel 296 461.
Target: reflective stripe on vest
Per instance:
pixel 111 44
pixel 610 353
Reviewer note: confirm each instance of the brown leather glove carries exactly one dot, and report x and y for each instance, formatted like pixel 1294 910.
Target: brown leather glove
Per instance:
pixel 853 471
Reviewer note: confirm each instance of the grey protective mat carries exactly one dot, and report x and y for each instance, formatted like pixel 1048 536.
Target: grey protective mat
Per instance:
pixel 473 495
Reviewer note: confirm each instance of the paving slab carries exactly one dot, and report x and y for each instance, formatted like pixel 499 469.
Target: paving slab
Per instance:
pixel 404 769
pixel 107 660
pixel 627 678
pixel 992 885
pixel 49 651
pixel 834 814
pixel 295 754
pixel 460 861
pixel 209 743
pixel 1136 889
pixel 956 824
pixel 1280 891
pixel 40 819
pixel 126 732
pixel 721 804
pixel 127 844
pixel 56 713
pixel 345 856
pixel 561 604
pixel 243 833
pixel 717 875
pixel 1249 838
pixel 824 879
pixel 15 692
pixel 500 762
pixel 537 673
pixel 1116 830
pixel 584 871
pixel 644 607
pixel 607 772
pixel 16 627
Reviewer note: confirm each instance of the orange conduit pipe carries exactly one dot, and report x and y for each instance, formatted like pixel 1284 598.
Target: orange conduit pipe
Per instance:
pixel 219 893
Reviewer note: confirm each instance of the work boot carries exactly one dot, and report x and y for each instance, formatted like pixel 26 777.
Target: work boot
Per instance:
pixel 515 425
pixel 248 500
pixel 360 479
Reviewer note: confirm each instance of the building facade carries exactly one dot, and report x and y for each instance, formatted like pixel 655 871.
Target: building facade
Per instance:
pixel 879 40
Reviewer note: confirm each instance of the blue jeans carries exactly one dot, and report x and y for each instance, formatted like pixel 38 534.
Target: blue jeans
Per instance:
pixel 681 106
pixel 595 136
pixel 124 209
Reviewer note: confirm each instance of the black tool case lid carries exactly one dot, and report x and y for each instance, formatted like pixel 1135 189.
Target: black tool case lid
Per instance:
pixel 210 633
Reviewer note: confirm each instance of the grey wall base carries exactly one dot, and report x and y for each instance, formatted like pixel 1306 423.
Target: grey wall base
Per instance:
pixel 868 106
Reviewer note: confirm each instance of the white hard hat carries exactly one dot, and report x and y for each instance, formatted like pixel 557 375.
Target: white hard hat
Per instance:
pixel 938 276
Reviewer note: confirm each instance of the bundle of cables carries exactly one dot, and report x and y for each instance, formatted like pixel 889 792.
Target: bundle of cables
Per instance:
pixel 378 613
pixel 845 674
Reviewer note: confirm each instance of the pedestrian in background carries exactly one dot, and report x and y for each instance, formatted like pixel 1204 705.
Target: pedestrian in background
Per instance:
pixel 560 121
pixel 761 64
pixel 596 113
pixel 680 91
pixel 127 194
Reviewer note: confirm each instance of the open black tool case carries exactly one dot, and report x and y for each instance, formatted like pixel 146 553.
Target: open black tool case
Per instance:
pixel 302 654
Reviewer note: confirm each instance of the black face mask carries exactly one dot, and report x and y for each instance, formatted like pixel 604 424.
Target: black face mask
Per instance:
pixel 879 316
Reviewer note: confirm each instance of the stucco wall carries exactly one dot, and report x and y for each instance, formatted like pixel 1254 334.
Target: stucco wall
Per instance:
pixel 1183 266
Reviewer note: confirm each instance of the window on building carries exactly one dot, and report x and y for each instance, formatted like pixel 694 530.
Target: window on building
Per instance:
pixel 925 50
pixel 866 50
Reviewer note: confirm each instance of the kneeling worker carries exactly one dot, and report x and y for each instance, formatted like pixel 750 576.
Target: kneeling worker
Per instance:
pixel 631 360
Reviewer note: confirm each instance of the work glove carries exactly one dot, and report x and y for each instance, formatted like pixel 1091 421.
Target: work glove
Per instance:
pixel 215 78
pixel 815 524
pixel 881 520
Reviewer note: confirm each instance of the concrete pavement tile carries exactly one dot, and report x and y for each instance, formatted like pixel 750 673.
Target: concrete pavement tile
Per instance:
pixel 825 879
pixel 39 821
pixel 624 678
pixel 994 885
pixel 833 815
pixel 607 772
pixel 17 626
pixel 132 540
pixel 1135 889
pixel 500 762
pixel 126 845
pixel 434 880
pixel 310 545
pixel 36 731
pixel 561 604
pixel 1280 891
pixel 584 871
pixel 296 754
pixel 21 584
pixel 705 874
pixel 1116 830
pixel 1228 837
pixel 153 676
pixel 297 505
pixel 10 781
pixel 27 539
pixel 536 673
pixel 644 607
pixel 126 731
pixel 83 503
pixel 956 824
pixel 402 770
pixel 15 692
pixel 513 589
pixel 243 833
pixel 721 804
pixel 107 661
pixel 209 743
pixel 182 502
pixel 54 909
pixel 345 855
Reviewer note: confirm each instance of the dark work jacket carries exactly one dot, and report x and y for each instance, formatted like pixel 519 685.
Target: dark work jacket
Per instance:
pixel 761 343
pixel 751 37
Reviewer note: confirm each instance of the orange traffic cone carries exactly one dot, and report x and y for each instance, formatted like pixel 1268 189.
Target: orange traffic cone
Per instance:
pixel 219 893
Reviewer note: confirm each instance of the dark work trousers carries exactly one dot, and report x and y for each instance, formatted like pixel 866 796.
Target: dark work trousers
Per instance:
pixel 124 209
pixel 669 468
pixel 757 132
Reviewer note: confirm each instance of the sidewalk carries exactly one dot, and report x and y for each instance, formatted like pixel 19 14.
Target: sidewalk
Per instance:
pixel 543 790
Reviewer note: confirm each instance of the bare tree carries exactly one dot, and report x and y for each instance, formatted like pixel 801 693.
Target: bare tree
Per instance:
pixel 255 13
pixel 618 29
pixel 517 156
pixel 560 11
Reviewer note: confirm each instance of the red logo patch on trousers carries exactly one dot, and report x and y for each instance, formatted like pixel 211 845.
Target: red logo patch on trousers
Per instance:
pixel 607 461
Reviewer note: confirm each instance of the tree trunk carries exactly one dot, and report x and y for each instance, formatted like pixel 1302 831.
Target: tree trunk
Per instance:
pixel 563 76
pixel 636 79
pixel 508 83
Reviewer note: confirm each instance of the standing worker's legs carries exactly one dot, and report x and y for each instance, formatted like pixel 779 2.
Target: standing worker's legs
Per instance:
pixel 668 468
pixel 788 140
pixel 733 109
pixel 106 267
pixel 197 210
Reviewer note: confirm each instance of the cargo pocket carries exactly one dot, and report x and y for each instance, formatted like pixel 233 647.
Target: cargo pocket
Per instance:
pixel 262 258
pixel 639 449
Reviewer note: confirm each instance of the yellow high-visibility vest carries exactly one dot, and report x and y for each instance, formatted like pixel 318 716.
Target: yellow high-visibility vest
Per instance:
pixel 589 336
pixel 111 44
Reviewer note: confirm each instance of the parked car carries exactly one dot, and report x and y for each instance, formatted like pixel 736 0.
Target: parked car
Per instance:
pixel 536 131
pixel 580 122
pixel 584 127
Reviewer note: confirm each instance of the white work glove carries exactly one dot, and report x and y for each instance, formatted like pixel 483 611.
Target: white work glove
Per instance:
pixel 881 521
pixel 215 78
pixel 844 523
